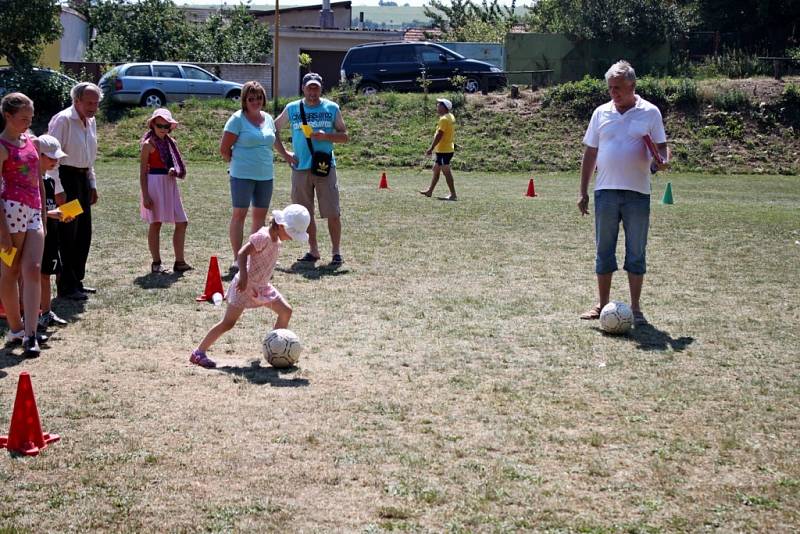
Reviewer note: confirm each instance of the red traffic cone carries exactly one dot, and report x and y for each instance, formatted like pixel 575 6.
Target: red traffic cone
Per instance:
pixel 25 435
pixel 213 282
pixel 384 183
pixel 531 189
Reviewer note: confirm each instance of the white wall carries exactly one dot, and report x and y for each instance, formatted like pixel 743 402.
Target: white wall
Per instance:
pixel 75 37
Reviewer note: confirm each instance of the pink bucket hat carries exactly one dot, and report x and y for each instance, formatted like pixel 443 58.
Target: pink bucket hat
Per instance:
pixel 164 114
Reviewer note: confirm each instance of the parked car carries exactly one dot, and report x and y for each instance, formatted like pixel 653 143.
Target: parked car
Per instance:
pixel 156 83
pixel 399 66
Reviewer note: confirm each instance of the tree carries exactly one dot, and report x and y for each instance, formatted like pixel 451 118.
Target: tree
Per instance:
pixel 633 22
pixel 232 36
pixel 464 20
pixel 26 26
pixel 157 30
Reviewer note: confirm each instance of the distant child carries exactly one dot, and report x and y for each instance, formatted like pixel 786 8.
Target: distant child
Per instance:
pixel 444 146
pixel 21 215
pixel 160 163
pixel 49 154
pixel 251 286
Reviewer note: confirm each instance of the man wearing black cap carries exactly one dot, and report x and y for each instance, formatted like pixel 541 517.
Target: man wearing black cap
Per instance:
pixel 314 166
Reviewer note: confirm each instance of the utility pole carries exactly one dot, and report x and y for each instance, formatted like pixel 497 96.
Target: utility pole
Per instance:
pixel 275 60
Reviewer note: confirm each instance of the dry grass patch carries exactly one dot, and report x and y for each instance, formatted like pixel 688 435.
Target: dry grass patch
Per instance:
pixel 447 383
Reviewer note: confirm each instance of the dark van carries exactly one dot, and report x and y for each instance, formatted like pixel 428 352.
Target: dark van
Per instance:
pixel 399 66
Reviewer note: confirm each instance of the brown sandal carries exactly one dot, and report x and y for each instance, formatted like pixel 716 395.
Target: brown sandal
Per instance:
pixel 592 313
pixel 157 268
pixel 181 267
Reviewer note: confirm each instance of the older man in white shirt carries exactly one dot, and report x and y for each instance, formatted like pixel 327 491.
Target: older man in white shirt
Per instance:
pixel 74 178
pixel 615 146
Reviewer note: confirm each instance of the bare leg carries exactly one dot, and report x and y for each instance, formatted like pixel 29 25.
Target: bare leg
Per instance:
pixel 448 176
pixel 313 246
pixel 154 241
pixel 335 229
pixel 9 285
pixel 236 229
pixel 179 241
pixel 31 271
pixel 434 180
pixel 635 282
pixel 604 288
pixel 232 314
pixel 284 311
pixel 259 219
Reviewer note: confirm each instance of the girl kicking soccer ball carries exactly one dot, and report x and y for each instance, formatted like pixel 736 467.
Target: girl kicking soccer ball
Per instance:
pixel 250 287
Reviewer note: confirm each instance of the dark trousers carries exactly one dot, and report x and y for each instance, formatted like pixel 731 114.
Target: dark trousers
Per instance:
pixel 74 237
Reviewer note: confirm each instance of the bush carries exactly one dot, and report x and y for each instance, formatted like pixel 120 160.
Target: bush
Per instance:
pixel 731 64
pixel 580 98
pixel 789 105
pixel 50 93
pixel 732 100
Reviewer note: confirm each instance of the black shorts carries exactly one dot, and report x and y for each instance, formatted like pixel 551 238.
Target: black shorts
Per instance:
pixel 51 259
pixel 443 158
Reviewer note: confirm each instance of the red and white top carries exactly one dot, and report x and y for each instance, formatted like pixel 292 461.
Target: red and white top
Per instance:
pixel 260 264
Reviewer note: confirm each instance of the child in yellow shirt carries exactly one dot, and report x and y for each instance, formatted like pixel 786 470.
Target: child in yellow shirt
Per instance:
pixel 444 146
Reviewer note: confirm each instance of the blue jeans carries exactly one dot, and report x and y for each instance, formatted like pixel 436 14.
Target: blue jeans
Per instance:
pixel 610 207
pixel 245 191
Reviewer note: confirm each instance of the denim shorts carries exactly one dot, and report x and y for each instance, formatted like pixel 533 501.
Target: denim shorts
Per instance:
pixel 245 193
pixel 632 208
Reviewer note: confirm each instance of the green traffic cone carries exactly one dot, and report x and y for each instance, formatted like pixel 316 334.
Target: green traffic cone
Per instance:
pixel 667 199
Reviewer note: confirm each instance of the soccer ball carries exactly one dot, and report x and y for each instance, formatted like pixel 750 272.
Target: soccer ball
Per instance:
pixel 616 317
pixel 282 348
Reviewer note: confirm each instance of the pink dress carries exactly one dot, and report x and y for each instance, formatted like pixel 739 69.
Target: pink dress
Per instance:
pixel 164 192
pixel 260 264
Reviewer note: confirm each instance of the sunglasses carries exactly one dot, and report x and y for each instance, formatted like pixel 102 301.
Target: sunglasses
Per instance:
pixel 162 126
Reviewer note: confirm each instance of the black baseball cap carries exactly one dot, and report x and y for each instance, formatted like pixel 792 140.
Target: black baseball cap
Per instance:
pixel 312 77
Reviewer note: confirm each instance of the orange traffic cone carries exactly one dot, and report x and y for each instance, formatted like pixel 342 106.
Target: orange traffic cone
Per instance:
pixel 213 282
pixel 384 183
pixel 531 189
pixel 25 435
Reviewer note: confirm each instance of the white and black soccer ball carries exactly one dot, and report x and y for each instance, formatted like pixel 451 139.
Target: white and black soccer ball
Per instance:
pixel 282 348
pixel 616 317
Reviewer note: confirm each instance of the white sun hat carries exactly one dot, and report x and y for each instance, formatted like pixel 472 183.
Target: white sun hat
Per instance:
pixel 447 103
pixel 295 219
pixel 50 147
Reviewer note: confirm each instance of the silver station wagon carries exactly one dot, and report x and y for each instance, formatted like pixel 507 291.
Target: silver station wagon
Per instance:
pixel 156 83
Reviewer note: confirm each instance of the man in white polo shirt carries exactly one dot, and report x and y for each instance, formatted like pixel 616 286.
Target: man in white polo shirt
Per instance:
pixel 615 146
pixel 74 178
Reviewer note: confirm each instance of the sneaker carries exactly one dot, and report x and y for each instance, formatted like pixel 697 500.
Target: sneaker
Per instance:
pixel 49 318
pixel 200 358
pixel 15 337
pixel 181 267
pixel 30 347
pixel 337 260
pixel 19 337
pixel 639 319
pixel 74 295
pixel 234 268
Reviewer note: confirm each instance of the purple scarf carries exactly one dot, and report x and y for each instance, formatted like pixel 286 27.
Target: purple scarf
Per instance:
pixel 168 151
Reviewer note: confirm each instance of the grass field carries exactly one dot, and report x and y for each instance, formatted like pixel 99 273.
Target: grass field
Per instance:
pixel 446 384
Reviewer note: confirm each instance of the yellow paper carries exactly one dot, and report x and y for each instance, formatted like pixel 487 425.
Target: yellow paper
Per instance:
pixel 307 130
pixel 71 209
pixel 8 255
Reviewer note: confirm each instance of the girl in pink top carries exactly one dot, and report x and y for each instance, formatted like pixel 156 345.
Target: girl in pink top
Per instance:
pixel 21 216
pixel 250 287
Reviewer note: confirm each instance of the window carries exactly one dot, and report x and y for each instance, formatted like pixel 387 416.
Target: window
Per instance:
pixel 398 54
pixel 428 54
pixel 166 71
pixel 138 70
pixel 193 73
pixel 362 55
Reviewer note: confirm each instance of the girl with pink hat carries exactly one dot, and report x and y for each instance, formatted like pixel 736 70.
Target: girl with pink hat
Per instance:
pixel 160 164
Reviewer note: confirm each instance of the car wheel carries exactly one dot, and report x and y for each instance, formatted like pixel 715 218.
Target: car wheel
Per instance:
pixel 153 99
pixel 234 95
pixel 368 88
pixel 472 85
